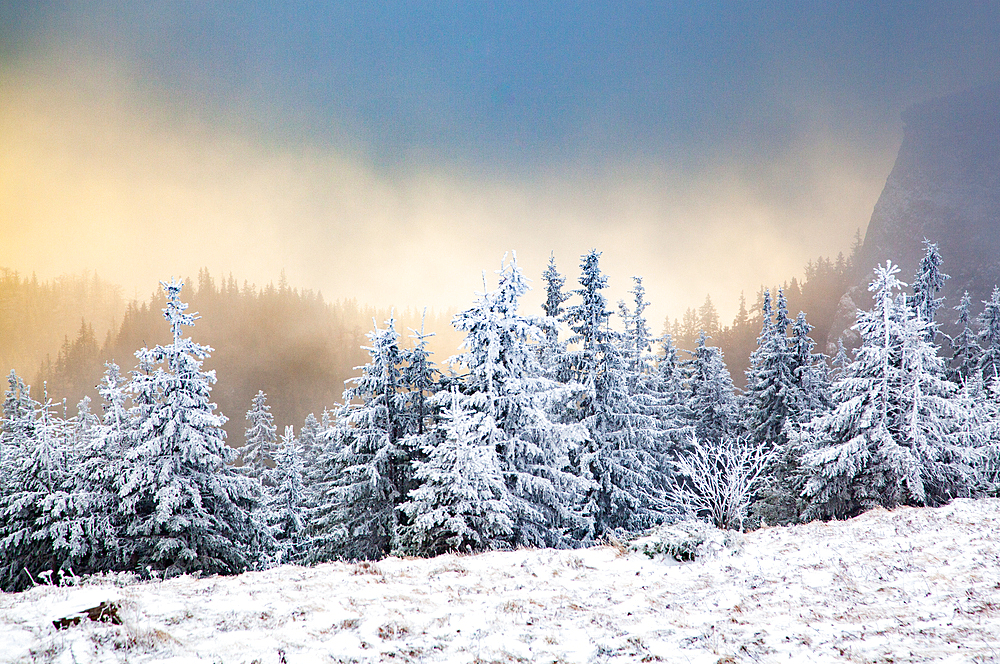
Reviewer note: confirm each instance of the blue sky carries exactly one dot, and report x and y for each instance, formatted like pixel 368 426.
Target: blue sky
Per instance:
pixel 605 121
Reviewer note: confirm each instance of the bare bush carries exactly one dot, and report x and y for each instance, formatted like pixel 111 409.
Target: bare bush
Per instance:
pixel 719 478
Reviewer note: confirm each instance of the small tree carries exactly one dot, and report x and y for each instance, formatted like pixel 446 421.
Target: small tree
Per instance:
pixel 286 504
pixel 185 507
pixel 257 453
pixel 965 349
pixel 462 503
pixel 989 338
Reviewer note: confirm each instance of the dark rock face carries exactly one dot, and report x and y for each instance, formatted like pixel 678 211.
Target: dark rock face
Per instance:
pixel 944 186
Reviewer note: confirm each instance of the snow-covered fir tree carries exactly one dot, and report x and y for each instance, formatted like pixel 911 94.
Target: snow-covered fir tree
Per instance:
pixel 965 350
pixel 185 508
pixel 462 503
pixel 367 469
pixel 552 352
pixel 505 383
pixel 712 403
pixel 927 283
pixel 37 473
pixel 257 453
pixel 635 424
pixel 772 397
pixel 895 435
pixel 989 338
pixel 286 507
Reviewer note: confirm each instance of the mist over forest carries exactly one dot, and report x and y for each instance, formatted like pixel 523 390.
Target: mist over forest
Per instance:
pixel 289 342
pixel 298 347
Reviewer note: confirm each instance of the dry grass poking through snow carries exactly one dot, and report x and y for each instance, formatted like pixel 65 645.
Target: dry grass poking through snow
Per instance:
pixel 910 585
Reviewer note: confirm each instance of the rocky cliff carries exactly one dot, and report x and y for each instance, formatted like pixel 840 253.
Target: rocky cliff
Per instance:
pixel 944 186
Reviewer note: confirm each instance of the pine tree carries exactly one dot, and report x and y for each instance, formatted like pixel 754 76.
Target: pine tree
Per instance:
pixel 286 504
pixel 965 349
pixel 505 384
pixel 927 283
pixel 711 402
pixel 552 352
pixel 367 470
pixel 771 392
pixel 33 541
pixel 185 508
pixel 989 338
pixel 257 452
pixel 589 321
pixel 894 437
pixel 462 503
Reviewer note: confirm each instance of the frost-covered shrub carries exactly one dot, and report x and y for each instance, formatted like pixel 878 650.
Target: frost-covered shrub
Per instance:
pixel 718 479
pixel 684 541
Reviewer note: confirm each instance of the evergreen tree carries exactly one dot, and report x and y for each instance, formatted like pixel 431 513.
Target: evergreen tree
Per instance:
pixel 286 505
pixel 965 349
pixel 185 508
pixel 894 437
pixel 712 401
pixel 989 338
pixel 35 502
pixel 419 380
pixel 257 453
pixel 927 283
pixel 505 384
pixel 462 503
pixel 551 351
pixel 771 392
pixel 708 317
pixel 367 469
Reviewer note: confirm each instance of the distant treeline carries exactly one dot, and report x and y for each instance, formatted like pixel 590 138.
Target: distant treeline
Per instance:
pixel 293 344
pixel 818 295
pixel 289 342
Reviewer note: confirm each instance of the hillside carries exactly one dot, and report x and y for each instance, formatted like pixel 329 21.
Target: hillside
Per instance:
pixel 909 585
pixel 944 186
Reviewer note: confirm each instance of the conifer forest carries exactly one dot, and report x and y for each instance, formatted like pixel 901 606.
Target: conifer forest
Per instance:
pixel 563 427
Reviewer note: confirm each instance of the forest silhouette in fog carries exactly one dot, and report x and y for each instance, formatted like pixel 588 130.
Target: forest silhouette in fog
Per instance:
pixel 292 343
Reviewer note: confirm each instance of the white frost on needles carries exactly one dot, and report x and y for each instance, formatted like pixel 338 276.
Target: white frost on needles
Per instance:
pixel 902 585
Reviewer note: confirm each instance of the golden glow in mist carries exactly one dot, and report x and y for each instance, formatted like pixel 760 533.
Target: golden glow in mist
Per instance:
pixel 96 174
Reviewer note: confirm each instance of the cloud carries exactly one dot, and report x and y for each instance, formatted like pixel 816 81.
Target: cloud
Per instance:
pixel 101 172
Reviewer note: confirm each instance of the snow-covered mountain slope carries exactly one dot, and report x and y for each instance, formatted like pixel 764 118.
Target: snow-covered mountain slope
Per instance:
pixel 901 586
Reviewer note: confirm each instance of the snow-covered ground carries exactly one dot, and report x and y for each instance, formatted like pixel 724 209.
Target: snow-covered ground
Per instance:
pixel 900 586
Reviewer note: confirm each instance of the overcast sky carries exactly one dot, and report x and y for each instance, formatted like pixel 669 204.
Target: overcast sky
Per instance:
pixel 392 151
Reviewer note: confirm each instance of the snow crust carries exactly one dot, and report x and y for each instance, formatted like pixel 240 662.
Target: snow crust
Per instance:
pixel 907 585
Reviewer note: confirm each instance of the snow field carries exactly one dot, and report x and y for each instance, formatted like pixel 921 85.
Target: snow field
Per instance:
pixel 908 585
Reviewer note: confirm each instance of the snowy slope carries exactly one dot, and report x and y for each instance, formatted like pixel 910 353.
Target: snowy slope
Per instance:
pixel 900 586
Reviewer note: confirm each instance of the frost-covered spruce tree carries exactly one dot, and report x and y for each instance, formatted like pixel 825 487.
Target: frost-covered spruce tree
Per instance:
pixel 989 338
pixel 18 424
pixel 286 506
pixel 367 477
pixel 807 395
pixel 810 369
pixel 462 503
pixel 185 508
pixel 419 381
pixel 101 470
pixel 712 403
pixel 927 283
pixel 261 439
pixel 772 397
pixel 625 453
pixel 505 383
pixel 37 475
pixel 590 323
pixel 552 352
pixel 895 436
pixel 965 350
